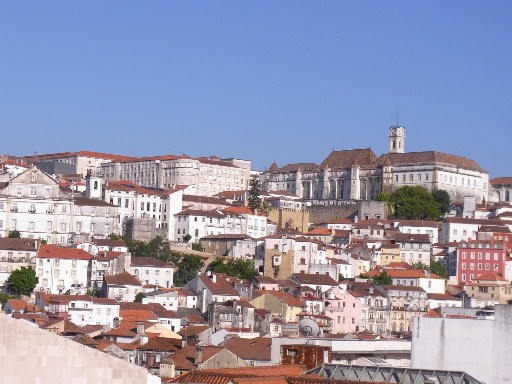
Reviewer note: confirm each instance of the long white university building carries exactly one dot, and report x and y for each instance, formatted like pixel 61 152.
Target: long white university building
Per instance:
pixel 205 176
pixel 358 174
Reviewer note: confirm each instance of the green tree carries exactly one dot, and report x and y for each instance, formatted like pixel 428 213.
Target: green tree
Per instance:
pixel 14 234
pixel 241 268
pixel 386 197
pixel 383 279
pixel 436 267
pixel 197 247
pixel 420 265
pixel 443 199
pixel 4 297
pixel 187 238
pixel 139 296
pixel 439 269
pixel 254 193
pixel 187 265
pixel 22 281
pixel 415 203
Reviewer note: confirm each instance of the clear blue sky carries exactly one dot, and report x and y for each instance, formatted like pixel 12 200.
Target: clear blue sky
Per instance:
pixel 263 80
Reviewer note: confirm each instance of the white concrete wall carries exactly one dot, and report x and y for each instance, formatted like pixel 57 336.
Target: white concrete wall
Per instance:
pixel 33 355
pixel 478 347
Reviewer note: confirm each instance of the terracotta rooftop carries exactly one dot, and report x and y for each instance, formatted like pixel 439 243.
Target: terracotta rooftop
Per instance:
pixel 184 358
pixel 51 251
pixel 313 278
pixel 220 287
pixel 141 261
pixel 429 157
pixel 285 297
pixel 501 181
pixel 347 158
pixel 14 244
pixel 250 349
pixel 123 278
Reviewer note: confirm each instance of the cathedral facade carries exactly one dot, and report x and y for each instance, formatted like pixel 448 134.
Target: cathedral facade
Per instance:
pixel 359 174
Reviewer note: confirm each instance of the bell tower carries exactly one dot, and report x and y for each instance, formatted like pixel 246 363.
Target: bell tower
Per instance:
pixel 396 139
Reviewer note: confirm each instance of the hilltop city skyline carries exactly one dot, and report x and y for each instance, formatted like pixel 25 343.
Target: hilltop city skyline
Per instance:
pixel 268 82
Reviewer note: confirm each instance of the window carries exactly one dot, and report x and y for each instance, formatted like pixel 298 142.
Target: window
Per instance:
pixel 79 226
pixel 118 201
pixel 411 177
pixel 63 227
pixel 126 203
pixel 33 191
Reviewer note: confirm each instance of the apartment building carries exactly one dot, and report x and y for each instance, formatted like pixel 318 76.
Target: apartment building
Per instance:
pixel 34 204
pixel 205 176
pixel 134 201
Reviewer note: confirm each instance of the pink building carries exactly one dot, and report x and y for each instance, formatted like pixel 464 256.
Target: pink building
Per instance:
pixel 344 309
pixel 476 257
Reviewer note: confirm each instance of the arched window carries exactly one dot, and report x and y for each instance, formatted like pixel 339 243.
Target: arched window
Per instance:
pixel 507 195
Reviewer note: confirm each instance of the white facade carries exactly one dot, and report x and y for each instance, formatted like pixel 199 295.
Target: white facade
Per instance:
pixel 168 300
pixel 93 311
pixel 360 175
pixel 418 227
pixel 33 204
pixel 152 271
pixel 204 176
pixel 234 220
pixel 60 269
pixel 134 201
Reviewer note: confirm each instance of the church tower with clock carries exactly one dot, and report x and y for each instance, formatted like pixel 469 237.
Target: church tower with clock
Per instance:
pixel 396 139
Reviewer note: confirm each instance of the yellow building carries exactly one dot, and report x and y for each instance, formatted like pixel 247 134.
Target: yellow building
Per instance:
pixel 280 304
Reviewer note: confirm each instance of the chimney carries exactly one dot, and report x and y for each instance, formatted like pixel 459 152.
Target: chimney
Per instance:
pixel 214 277
pixel 140 328
pixel 198 361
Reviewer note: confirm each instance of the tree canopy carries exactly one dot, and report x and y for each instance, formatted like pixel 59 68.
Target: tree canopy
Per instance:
pixel 443 199
pixel 254 193
pixel 383 279
pixel 241 268
pixel 188 265
pixel 22 281
pixel 416 203
pixel 14 234
pixel 435 267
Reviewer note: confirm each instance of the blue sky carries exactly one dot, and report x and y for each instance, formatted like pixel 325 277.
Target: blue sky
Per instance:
pixel 264 80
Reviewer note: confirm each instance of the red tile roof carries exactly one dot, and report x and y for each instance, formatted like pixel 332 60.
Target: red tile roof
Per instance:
pixel 250 349
pixel 50 251
pixel 123 278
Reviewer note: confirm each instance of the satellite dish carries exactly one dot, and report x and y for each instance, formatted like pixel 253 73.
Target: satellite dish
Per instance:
pixel 309 327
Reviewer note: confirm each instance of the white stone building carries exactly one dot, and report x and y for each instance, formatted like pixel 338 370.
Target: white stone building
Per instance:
pixel 231 220
pixel 413 247
pixel 60 269
pixel 359 174
pixel 134 201
pixel 16 253
pixel 431 228
pixel 153 271
pixel 82 162
pixel 33 204
pixel 205 176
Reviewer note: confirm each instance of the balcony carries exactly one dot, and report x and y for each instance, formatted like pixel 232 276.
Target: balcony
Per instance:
pixel 33 210
pixel 14 209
